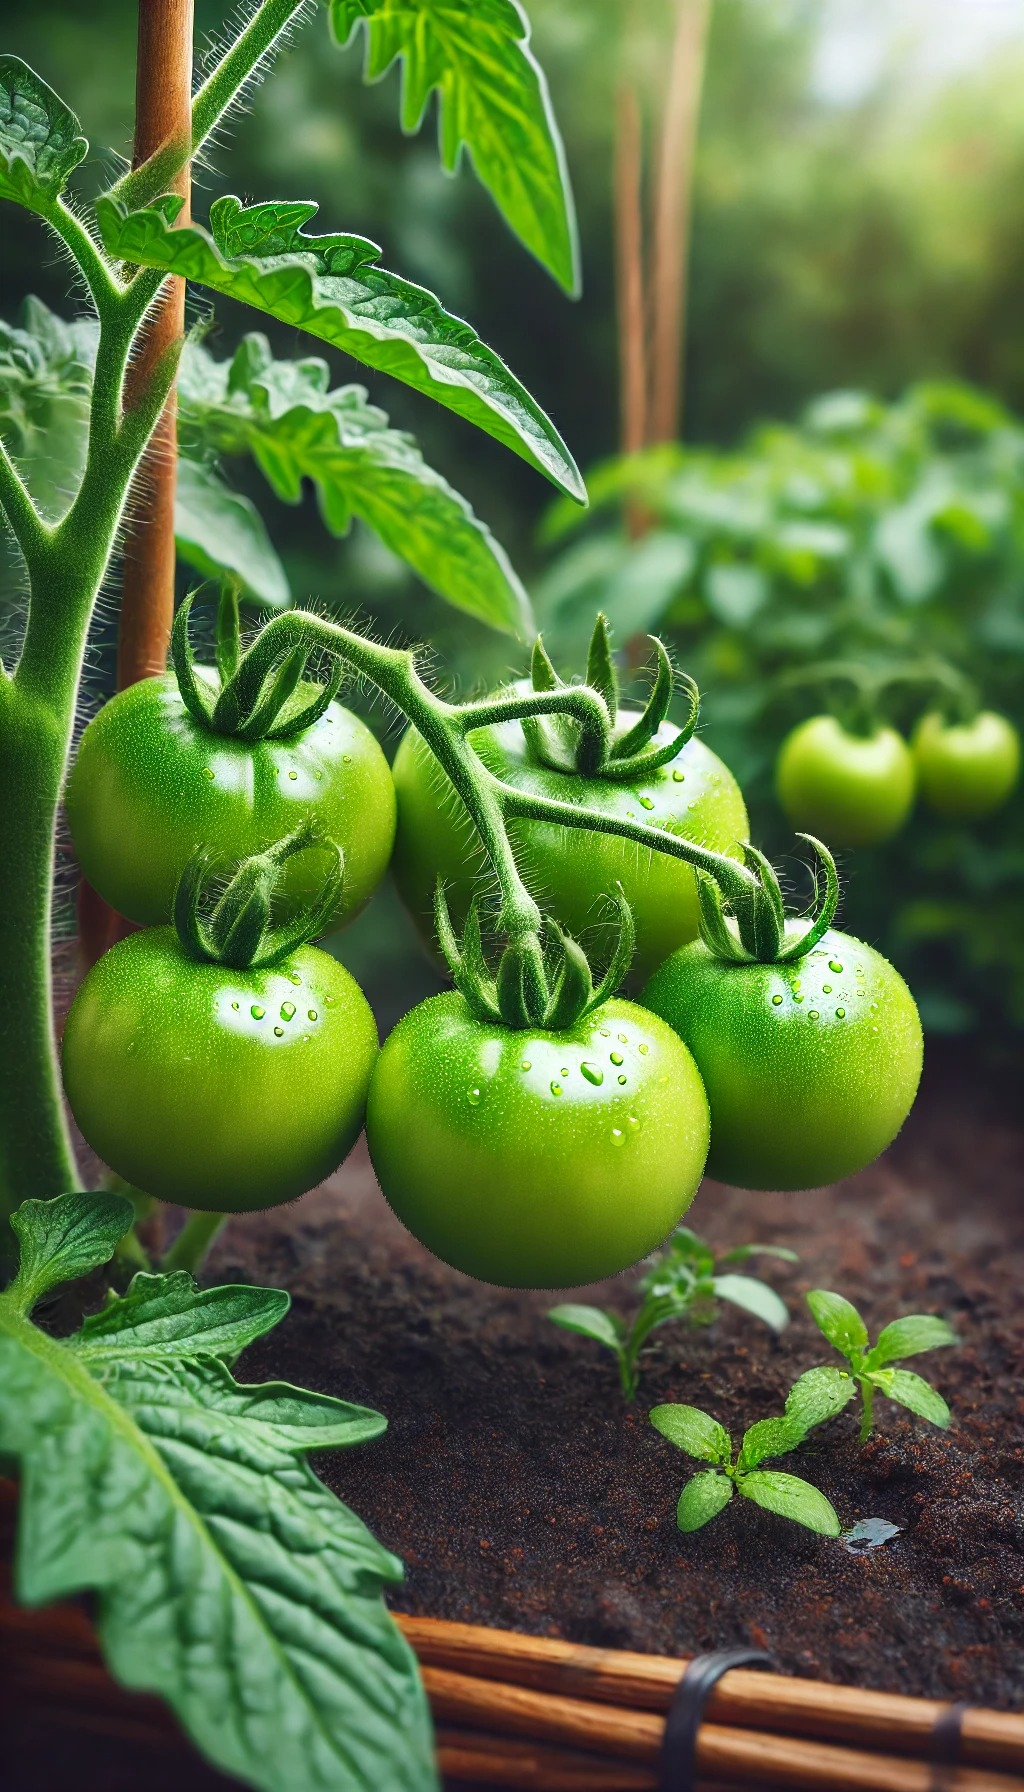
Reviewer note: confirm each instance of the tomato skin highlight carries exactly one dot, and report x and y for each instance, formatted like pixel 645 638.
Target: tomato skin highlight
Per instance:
pixel 966 770
pixel 196 1084
pixel 149 785
pixel 849 789
pixel 514 1164
pixel 569 870
pixel 810 1070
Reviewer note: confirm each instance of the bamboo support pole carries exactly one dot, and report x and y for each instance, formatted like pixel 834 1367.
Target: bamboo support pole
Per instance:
pixel 673 207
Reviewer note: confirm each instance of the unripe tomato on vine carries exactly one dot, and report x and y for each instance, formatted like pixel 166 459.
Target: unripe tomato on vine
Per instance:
pixel 966 770
pixel 855 789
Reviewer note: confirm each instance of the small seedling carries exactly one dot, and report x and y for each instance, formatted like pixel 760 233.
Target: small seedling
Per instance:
pixel 870 1368
pixel 684 1282
pixel 710 1491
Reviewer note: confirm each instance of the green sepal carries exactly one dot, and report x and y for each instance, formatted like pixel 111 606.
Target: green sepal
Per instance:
pixel 229 630
pixel 655 709
pixel 277 692
pixel 195 696
pixel 826 914
pixel 715 931
pixel 238 931
pixel 601 673
pixel 573 985
pixel 522 983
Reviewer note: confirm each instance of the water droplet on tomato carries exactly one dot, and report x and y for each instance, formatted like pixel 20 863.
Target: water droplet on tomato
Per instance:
pixel 279 1032
pixel 677 777
pixel 346 759
pixel 840 1013
pixel 633 1123
pixel 621 1080
pixel 623 1038
pixel 257 1012
pixel 814 1015
pixel 293 977
pixel 833 966
pixel 618 1136
pixel 643 1050
pixel 293 776
pixel 798 998
pixel 776 1001
pixel 616 1057
pixel 826 989
pixel 287 1010
pixel 526 1064
pixel 473 1097
pixel 605 1034
pixel 646 802
pixel 556 1088
pixel 207 771
pixel 234 1005
pixel 318 776
pixel 565 1070
pixel 311 1014
pixel 593 1073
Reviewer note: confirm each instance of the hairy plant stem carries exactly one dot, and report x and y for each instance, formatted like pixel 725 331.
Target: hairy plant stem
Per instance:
pixel 867 1414
pixel 194 1240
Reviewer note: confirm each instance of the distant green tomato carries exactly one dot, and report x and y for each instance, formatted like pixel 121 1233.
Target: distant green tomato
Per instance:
pixel 215 1088
pixel 968 769
pixel 570 869
pixel 149 784
pixel 537 1159
pixel 849 789
pixel 810 1068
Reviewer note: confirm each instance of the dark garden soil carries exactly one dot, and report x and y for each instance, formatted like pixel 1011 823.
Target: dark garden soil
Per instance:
pixel 521 1492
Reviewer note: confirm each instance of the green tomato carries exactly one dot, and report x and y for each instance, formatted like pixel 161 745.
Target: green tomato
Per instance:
pixel 150 784
pixel 967 769
pixel 850 789
pixel 537 1159
pixel 811 1068
pixel 215 1088
pixel 571 869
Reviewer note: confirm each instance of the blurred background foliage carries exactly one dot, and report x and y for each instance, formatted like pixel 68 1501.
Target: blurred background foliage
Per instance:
pixel 858 227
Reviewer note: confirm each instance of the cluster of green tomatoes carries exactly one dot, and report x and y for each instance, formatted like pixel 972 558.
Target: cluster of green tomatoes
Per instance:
pixel 858 788
pixel 217 1059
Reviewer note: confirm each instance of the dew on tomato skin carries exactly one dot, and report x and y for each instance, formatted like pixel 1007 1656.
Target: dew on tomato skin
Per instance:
pixel 279 1032
pixel 293 776
pixel 235 1006
pixel 633 1123
pixel 618 1136
pixel 813 1014
pixel 691 805
pixel 623 1038
pixel 616 1057
pixel 840 1013
pixel 287 1010
pixel 473 1097
pixel 621 1081
pixel 646 802
pixel 799 998
pixel 593 1073
pixel 643 1050
pixel 257 1012
pixel 564 1071
pixel 311 1014
pixel 346 759
pixel 605 1034
pixel 776 1001
pixel 833 966
pixel 677 777
pixel 526 1064
pixel 826 989
pixel 208 771
pixel 556 1088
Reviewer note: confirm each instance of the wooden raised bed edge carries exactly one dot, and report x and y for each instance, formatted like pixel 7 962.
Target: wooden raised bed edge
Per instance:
pixel 549 1716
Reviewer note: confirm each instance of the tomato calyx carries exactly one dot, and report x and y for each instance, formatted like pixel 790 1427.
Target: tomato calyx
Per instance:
pixel 623 753
pixel 753 929
pixel 254 701
pixel 238 930
pixel 532 987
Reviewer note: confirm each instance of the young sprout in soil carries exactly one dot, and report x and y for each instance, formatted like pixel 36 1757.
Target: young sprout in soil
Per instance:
pixel 710 1491
pixel 684 1282
pixel 870 1368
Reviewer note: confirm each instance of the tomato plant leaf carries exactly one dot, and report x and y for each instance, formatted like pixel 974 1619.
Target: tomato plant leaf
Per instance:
pixel 913 1392
pixel 839 1320
pixel 909 1336
pixel 694 1431
pixel 333 287
pixel 40 138
pixel 793 1498
pixel 228 1579
pixel 819 1395
pixel 65 1238
pixel 590 1322
pixel 742 1253
pixel 165 1317
pixel 45 379
pixel 220 531
pixel 702 1499
pixel 492 99
pixel 285 415
pixel 754 1297
pixel 769 1437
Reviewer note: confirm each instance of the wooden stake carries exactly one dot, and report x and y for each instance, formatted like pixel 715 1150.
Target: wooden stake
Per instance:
pixel 673 207
pixel 629 271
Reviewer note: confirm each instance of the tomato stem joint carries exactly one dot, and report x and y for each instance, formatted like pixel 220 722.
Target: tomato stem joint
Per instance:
pixel 238 930
pixel 757 928
pixel 532 987
pixel 255 700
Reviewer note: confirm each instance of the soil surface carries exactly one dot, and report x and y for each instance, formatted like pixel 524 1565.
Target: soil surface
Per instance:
pixel 522 1492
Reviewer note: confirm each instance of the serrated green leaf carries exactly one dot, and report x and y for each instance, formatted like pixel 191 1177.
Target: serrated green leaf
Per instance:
pixel 220 531
pixel 694 1431
pixel 40 137
pixel 769 1437
pixel 839 1320
pixel 793 1498
pixel 909 1336
pixel 284 414
pixel 819 1395
pixel 702 1499
pixel 590 1322
pixel 168 1317
pixel 45 380
pixel 742 1253
pixel 333 287
pixel 228 1579
pixel 492 98
pixel 64 1238
pixel 754 1297
pixel 913 1392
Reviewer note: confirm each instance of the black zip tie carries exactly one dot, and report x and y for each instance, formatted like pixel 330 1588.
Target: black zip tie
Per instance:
pixel 944 1745
pixel 677 1771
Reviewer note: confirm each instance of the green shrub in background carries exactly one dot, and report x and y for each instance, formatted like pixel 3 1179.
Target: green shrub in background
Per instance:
pixel 891 536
